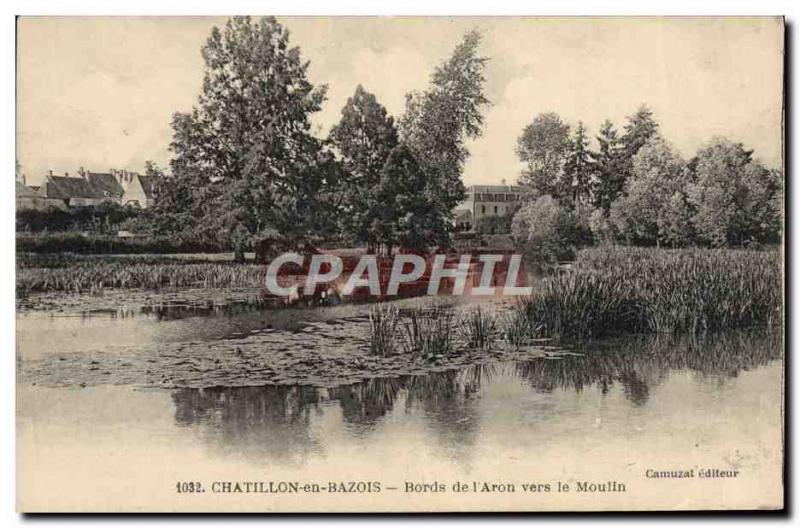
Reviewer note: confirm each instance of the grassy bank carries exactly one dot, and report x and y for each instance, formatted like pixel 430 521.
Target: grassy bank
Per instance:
pixel 94 276
pixel 633 290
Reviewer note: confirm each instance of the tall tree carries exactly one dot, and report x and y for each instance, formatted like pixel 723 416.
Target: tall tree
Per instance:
pixel 609 179
pixel 639 129
pixel 654 209
pixel 438 122
pixel 737 198
pixel 401 214
pixel 364 137
pixel 576 182
pixel 245 150
pixel 542 147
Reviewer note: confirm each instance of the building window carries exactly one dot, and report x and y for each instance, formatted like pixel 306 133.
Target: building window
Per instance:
pixel 495 209
pixel 483 209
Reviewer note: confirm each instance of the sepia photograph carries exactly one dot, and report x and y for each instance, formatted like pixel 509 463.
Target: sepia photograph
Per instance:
pixel 405 264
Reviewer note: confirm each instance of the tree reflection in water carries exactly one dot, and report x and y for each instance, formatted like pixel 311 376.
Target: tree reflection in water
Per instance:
pixel 276 422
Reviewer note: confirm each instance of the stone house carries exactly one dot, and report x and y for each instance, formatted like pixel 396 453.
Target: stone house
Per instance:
pixel 485 201
pixel 94 188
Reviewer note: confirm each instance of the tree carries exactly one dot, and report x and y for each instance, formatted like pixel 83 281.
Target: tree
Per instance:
pixel 401 214
pixel 575 187
pixel 546 231
pixel 542 147
pixel 245 151
pixel 654 209
pixel 609 179
pixel 640 128
pixel 438 122
pixel 364 137
pixel 737 198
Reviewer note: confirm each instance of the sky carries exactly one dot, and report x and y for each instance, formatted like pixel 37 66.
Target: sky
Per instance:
pixel 99 93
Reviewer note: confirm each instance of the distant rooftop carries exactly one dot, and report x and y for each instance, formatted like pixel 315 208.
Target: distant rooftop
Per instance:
pixel 499 188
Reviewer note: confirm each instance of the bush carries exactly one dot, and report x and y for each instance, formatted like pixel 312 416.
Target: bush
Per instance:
pixel 104 218
pixel 546 232
pixel 494 225
pixel 109 244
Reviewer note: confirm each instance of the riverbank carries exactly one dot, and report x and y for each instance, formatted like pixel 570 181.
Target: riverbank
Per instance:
pixel 619 290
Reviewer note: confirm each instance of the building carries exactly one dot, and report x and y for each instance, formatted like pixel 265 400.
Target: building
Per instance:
pixel 89 189
pixel 29 197
pixel 484 201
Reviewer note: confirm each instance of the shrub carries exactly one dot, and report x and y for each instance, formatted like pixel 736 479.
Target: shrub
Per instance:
pixel 546 232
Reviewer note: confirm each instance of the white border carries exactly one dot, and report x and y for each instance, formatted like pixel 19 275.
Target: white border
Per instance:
pixel 316 7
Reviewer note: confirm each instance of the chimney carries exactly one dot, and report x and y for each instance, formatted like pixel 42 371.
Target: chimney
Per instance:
pixel 82 173
pixel 50 172
pixel 66 174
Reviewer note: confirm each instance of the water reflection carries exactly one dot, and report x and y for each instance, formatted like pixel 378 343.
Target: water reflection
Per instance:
pixel 277 422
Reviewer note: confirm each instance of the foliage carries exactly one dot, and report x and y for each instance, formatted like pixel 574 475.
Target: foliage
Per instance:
pixel 106 218
pixel 609 178
pixel 543 147
pixel 654 209
pixel 245 155
pixel 107 244
pixel 494 225
pixel 575 187
pixel 640 128
pixel 737 199
pixel 546 231
pixel 618 290
pixel 364 137
pixel 438 122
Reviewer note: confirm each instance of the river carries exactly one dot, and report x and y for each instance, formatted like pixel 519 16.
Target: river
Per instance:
pixel 606 414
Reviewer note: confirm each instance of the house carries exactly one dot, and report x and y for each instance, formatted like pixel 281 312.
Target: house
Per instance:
pixel 485 201
pixel 94 188
pixel 30 198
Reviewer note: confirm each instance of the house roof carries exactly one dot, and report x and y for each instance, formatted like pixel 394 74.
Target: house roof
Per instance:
pixel 147 185
pixel 23 191
pixel 499 188
pixel 65 187
pixel 105 182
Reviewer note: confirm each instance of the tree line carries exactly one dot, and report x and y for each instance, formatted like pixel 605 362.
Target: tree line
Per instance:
pixel 635 187
pixel 246 168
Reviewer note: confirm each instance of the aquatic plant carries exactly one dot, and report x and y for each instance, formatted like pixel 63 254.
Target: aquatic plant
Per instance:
pixel 629 290
pixel 478 328
pixel 429 330
pixel 383 321
pixel 94 276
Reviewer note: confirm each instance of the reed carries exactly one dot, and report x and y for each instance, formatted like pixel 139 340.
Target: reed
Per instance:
pixel 94 276
pixel 428 330
pixel 383 327
pixel 633 290
pixel 479 328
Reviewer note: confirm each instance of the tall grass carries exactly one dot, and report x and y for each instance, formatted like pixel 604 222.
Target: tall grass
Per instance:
pixel 479 328
pixel 92 277
pixel 620 290
pixel 383 321
pixel 429 330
